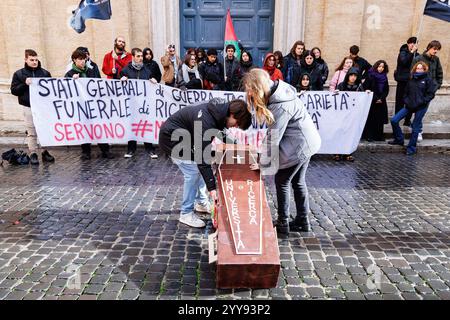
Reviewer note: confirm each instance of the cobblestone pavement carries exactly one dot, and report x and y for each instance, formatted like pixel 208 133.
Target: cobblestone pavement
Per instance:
pixel 109 230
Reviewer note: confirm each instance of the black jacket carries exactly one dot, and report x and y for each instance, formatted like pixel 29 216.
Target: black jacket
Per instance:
pixel 234 74
pixel 18 86
pixel 212 72
pixel 404 64
pixel 363 67
pixel 314 74
pixel 419 92
pixel 95 68
pixel 291 70
pixel 434 63
pixel 154 70
pixel 90 73
pixel 210 116
pixel 357 86
pixel 324 70
pixel 131 73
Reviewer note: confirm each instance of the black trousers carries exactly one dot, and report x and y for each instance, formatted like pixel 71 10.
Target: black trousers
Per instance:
pixel 132 146
pixel 86 148
pixel 295 176
pixel 399 99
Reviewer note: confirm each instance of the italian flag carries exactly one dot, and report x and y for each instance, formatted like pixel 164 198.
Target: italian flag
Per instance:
pixel 230 37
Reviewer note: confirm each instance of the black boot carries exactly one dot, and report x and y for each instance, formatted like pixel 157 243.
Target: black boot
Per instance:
pixel 300 225
pixel 282 226
pixel 47 157
pixel 34 159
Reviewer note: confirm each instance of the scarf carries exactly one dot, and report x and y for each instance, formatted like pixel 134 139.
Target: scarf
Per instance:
pixel 270 70
pixel 380 79
pixel 81 72
pixel 137 66
pixel 186 70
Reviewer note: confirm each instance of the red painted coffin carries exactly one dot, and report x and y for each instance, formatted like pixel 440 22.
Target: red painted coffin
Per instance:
pixel 247 246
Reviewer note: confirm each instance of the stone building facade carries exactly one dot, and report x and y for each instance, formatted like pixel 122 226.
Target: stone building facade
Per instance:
pixel 379 27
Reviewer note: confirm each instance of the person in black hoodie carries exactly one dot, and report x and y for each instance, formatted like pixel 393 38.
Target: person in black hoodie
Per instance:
pixel 246 64
pixel 378 83
pixel 323 66
pixel 352 82
pixel 212 72
pixel 419 92
pixel 304 84
pixel 81 70
pixel 20 87
pixel 152 64
pixel 179 139
pixel 311 67
pixel 403 73
pixel 136 69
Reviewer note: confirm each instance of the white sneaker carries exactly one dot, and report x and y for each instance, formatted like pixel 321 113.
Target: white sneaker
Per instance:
pixel 192 220
pixel 203 209
pixel 153 156
pixel 129 155
pixel 420 138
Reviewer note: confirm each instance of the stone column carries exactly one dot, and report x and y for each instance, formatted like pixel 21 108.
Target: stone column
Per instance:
pixel 164 25
pixel 289 23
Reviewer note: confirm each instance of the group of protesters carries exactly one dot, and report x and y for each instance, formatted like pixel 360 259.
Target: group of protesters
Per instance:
pixel 303 69
pixel 272 98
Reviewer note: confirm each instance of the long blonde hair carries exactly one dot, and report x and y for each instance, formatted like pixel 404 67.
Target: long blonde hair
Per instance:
pixel 257 82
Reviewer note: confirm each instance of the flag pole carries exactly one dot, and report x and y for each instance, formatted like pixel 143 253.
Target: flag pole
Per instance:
pixel 420 29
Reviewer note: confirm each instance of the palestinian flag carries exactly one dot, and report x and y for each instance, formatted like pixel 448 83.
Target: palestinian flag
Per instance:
pixel 230 37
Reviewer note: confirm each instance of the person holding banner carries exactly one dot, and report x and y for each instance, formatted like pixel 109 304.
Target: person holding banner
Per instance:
pixel 419 92
pixel 352 82
pixel 136 69
pixel 185 137
pixel 116 60
pixel 292 139
pixel 310 66
pixel 20 87
pixel 81 70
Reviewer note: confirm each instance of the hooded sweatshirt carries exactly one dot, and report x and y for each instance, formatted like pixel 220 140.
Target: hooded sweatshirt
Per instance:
pixel 274 72
pixel 357 86
pixel 210 116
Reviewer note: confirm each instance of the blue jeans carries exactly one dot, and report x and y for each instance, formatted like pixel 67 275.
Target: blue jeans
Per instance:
pixel 194 190
pixel 417 127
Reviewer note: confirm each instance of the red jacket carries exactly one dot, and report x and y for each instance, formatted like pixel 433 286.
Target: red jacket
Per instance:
pixel 275 74
pixel 110 63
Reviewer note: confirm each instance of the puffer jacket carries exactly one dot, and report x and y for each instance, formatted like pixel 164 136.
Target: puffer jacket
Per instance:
pixel 292 138
pixel 435 71
pixel 18 86
pixel 419 92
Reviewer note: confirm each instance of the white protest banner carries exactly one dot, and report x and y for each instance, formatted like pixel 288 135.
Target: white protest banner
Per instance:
pixel 339 117
pixel 73 112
